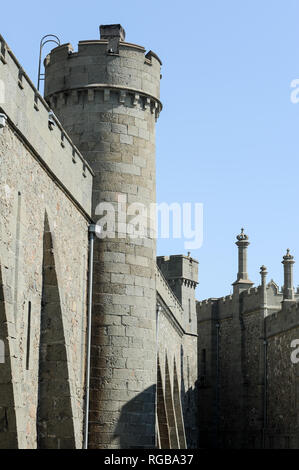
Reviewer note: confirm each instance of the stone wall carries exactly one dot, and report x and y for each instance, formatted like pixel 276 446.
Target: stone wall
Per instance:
pixel 44 217
pixel 177 372
pixel 282 380
pixel 29 112
pixel 248 384
pixel 109 104
pixel 25 204
pixel 219 352
pixel 207 374
pixel 230 395
pixel 253 375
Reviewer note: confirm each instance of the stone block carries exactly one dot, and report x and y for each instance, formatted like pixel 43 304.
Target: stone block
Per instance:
pixel 126 139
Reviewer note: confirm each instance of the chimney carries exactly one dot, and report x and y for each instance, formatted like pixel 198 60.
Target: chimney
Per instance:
pixel 288 289
pixel 242 282
pixel 112 31
pixel 263 290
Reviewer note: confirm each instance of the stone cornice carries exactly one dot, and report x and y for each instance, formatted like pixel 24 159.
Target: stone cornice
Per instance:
pixel 183 281
pixel 145 100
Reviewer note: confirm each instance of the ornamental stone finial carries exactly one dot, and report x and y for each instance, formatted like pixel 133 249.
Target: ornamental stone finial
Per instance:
pixel 242 236
pixel 288 257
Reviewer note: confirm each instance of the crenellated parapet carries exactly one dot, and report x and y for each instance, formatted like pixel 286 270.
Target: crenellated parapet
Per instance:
pixel 179 269
pixel 204 310
pixel 283 320
pixel 126 75
pixel 226 299
pixel 250 298
pixel 225 306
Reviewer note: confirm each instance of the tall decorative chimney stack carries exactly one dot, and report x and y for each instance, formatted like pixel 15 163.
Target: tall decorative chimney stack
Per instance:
pixel 288 289
pixel 263 290
pixel 242 282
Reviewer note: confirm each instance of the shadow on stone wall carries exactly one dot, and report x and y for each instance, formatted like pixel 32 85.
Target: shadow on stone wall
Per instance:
pixel 189 405
pixel 54 414
pixel 189 400
pixel 171 412
pixel 161 412
pixel 8 429
pixel 136 426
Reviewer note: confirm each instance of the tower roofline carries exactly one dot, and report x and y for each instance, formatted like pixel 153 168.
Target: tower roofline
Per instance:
pixel 167 258
pixel 90 42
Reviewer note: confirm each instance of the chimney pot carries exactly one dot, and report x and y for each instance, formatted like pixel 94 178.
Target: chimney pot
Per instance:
pixel 110 31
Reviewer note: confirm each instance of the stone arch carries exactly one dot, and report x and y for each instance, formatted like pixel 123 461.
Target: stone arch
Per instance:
pixel 55 427
pixel 170 410
pixel 163 428
pixel 8 426
pixel 178 409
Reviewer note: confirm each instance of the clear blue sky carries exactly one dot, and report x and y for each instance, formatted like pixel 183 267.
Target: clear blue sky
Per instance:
pixel 228 135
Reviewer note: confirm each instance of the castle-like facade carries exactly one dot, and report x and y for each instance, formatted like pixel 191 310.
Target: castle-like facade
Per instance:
pixel 103 345
pixel 248 367
pixel 99 351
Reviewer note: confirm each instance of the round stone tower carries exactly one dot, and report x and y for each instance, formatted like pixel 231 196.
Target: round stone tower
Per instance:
pixel 106 96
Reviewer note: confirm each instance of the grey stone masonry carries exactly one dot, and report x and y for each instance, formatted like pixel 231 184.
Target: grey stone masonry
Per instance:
pixel 177 401
pixel 45 211
pixel 181 273
pixel 108 98
pixel 288 289
pixel 248 393
pixel 28 111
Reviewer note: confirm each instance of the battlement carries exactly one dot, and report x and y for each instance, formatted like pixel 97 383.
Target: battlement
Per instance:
pixel 179 267
pixel 28 113
pixel 251 291
pixel 224 300
pixel 225 307
pixel 250 302
pixel 87 48
pixel 204 309
pixel 283 320
pixel 126 67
